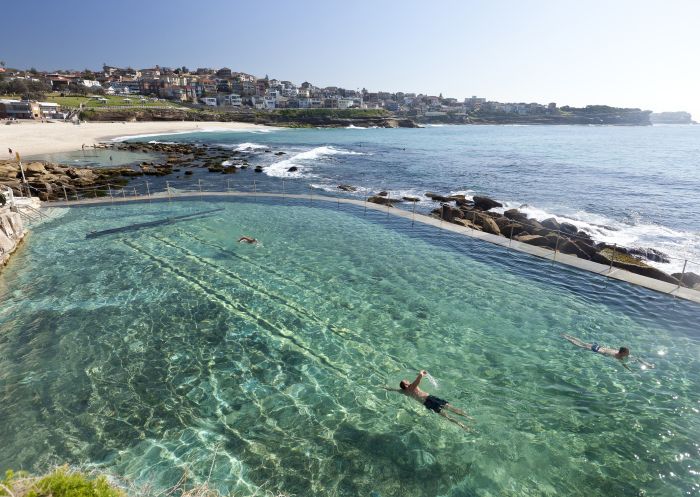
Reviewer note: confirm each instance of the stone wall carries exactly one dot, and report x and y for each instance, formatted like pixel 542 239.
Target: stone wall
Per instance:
pixel 11 233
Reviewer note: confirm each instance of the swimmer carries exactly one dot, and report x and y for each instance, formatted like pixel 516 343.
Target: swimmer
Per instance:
pixel 247 239
pixel 431 402
pixel 620 354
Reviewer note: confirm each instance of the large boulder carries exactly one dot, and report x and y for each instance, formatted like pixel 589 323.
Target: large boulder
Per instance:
pixel 569 228
pixel 467 224
pixel 346 188
pixel 572 248
pixel 690 280
pixel 485 203
pixel 34 169
pixel 650 254
pixel 537 240
pixel 551 223
pixel 623 260
pixel 512 230
pixel 449 213
pixel 515 215
pixel 8 170
pixel 438 198
pixel 376 199
pixel 487 223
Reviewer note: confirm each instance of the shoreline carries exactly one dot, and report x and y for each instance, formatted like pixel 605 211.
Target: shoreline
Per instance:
pixel 35 138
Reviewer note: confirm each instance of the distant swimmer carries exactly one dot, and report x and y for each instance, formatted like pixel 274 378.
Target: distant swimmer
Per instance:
pixel 247 239
pixel 621 354
pixel 429 401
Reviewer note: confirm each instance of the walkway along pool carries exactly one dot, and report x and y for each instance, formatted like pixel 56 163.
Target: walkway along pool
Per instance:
pixel 150 352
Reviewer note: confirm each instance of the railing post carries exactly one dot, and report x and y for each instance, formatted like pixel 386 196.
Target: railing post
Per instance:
pixel 510 241
pixel 123 193
pixel 556 247
pixel 413 216
pixel 311 195
pixel 135 194
pixel 94 192
pixel 110 192
pixel 680 280
pixel 255 190
pixel 612 259
pixel 365 211
pixel 283 198
pixel 228 185
pixel 65 195
pixel 148 190
pixel 167 187
pixel 199 182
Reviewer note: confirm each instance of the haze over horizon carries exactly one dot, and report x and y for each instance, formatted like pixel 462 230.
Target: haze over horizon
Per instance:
pixel 626 53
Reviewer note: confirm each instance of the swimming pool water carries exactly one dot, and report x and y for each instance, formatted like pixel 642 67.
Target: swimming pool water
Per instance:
pixel 149 353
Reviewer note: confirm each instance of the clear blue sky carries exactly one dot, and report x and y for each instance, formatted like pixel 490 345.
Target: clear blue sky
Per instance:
pixel 618 52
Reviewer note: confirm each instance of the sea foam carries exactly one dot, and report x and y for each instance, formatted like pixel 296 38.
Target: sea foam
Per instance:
pixel 302 161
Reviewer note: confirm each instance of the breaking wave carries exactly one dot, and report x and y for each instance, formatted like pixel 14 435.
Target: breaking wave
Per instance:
pixel 303 160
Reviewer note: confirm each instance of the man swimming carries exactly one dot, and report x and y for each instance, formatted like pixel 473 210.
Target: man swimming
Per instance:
pixel 429 401
pixel 247 239
pixel 620 354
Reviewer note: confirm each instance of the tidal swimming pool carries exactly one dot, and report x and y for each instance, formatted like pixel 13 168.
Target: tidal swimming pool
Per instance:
pixel 152 352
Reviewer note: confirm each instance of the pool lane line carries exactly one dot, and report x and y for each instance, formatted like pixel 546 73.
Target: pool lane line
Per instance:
pixel 236 308
pixel 345 333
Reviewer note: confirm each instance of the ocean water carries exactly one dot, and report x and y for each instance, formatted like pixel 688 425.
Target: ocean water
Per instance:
pixel 636 186
pixel 172 350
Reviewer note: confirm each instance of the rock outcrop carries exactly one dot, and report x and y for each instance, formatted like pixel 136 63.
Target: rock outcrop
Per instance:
pixel 11 233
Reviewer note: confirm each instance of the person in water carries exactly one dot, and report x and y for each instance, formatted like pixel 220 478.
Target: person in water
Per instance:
pixel 247 239
pixel 431 402
pixel 620 354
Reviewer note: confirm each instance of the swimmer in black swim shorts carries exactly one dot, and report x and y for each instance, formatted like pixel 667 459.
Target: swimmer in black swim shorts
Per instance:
pixel 620 354
pixel 431 402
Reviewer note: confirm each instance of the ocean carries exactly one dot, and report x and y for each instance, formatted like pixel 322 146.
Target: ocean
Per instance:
pixel 634 186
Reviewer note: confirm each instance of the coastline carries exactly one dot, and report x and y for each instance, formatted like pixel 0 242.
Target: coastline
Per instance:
pixel 34 138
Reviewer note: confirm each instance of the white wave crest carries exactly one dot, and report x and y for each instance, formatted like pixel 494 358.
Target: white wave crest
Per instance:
pixel 247 147
pixel 677 244
pixel 302 161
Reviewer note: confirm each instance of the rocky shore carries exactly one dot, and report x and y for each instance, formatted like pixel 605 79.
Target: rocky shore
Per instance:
pixel 51 181
pixel 566 238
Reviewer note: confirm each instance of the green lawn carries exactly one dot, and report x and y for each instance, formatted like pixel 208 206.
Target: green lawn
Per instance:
pixel 112 101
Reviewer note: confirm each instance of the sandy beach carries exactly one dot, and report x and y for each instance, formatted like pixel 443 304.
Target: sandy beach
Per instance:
pixel 32 137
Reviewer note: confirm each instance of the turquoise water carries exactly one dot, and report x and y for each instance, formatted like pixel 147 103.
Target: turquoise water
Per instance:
pixel 154 352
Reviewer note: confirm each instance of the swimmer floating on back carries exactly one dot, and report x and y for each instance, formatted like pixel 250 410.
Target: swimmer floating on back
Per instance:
pixel 429 401
pixel 621 354
pixel 247 239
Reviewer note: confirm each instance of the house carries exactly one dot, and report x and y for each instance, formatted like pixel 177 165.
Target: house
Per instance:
pixel 49 110
pixel 233 100
pixel 211 101
pixel 18 109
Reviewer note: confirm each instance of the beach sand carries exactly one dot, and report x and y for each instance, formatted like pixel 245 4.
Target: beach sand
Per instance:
pixel 32 137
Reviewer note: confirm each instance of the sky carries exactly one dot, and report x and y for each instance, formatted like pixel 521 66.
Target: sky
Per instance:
pixel 641 53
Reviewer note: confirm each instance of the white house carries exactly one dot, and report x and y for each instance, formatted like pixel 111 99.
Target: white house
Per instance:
pixel 211 101
pixel 233 100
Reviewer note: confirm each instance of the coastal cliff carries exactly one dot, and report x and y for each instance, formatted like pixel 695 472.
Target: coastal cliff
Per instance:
pixel 601 115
